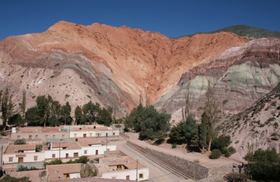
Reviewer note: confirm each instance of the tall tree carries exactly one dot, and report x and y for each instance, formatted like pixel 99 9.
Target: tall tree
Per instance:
pixel 203 133
pixel 6 107
pixel 211 110
pixel 78 115
pixel 66 113
pixel 23 104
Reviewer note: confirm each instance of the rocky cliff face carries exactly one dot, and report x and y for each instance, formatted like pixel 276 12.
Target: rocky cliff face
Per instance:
pixel 256 127
pixel 115 66
pixel 240 75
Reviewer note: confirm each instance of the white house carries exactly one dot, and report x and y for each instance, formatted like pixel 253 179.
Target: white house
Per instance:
pixel 63 132
pixel 22 153
pixel 116 165
pixel 56 150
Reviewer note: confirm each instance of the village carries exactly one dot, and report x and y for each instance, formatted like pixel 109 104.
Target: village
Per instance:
pixel 69 152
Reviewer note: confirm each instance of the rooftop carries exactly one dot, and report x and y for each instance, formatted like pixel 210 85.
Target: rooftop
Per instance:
pixel 12 148
pixel 56 172
pixel 116 161
pixel 92 179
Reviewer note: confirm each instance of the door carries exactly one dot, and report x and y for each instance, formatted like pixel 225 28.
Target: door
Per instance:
pixel 20 159
pixel 96 152
pixel 85 135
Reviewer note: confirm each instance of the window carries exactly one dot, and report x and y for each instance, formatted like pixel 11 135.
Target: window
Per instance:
pixel 141 175
pixel 85 135
pixel 106 134
pixel 35 157
pixel 10 159
pixel 53 155
pixel 98 134
pixel 96 152
pixel 85 152
pixel 114 133
pixel 127 177
pixel 66 155
pixel 76 154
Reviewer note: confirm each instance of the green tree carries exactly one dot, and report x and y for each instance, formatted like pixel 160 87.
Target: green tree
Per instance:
pixel 203 128
pixel 23 105
pixel 211 111
pixel 150 123
pixel 66 113
pixel 78 115
pixel 6 107
pixel 16 119
pixel 264 165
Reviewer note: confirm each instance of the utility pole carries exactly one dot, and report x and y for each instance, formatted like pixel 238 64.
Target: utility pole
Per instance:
pixel 137 170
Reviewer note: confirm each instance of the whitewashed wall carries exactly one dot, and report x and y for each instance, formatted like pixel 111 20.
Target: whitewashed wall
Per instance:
pixel 131 173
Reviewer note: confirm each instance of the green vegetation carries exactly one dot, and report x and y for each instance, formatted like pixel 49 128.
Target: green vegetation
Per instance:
pixel 25 168
pixel 248 31
pixel 54 162
pixel 264 165
pixel 185 132
pixel 82 159
pixel 20 141
pixel 39 148
pixel 215 154
pixel 12 179
pixel 150 123
pixel 48 112
pixel 6 106
pixel 93 113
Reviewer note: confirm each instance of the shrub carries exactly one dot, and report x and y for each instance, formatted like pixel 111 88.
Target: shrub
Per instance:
pixel 235 177
pixel 39 148
pixel 54 162
pixel 221 142
pixel 174 145
pixel 264 165
pixel 215 154
pixel 82 159
pixel 25 168
pixel 20 141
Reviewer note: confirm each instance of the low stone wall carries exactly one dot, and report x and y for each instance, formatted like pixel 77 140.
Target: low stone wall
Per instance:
pixel 191 169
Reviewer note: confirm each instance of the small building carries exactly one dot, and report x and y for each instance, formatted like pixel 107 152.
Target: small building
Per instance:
pixel 39 133
pixel 83 131
pixel 63 171
pixel 65 150
pixel 24 153
pixel 63 132
pixel 116 165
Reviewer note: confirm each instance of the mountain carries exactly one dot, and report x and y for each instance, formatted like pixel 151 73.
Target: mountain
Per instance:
pixel 248 31
pixel 256 127
pixel 121 66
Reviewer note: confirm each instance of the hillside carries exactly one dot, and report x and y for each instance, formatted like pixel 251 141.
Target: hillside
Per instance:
pixel 256 127
pixel 121 66
pixel 248 31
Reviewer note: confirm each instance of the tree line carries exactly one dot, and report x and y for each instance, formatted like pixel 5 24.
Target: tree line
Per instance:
pixel 49 112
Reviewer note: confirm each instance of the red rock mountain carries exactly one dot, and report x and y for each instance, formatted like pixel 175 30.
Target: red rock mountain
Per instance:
pixel 112 65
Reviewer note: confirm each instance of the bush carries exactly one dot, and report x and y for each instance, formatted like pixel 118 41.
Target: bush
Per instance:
pixel 174 145
pixel 221 142
pixel 20 141
pixel 25 168
pixel 39 148
pixel 215 154
pixel 264 165
pixel 54 162
pixel 235 177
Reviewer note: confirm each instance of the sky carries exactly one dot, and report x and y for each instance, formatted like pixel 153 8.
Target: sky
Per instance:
pixel 172 18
